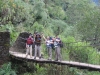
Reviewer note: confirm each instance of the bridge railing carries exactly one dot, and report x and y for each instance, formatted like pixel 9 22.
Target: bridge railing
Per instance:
pixel 73 51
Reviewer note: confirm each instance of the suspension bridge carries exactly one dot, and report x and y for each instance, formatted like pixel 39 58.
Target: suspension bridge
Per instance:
pixel 22 56
pixel 17 52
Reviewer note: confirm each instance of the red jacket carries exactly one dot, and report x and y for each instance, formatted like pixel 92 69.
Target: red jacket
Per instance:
pixel 29 41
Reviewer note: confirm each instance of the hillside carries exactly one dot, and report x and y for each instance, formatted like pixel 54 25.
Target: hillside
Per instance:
pixel 71 20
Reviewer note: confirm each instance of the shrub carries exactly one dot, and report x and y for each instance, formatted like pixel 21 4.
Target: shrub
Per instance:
pixel 6 70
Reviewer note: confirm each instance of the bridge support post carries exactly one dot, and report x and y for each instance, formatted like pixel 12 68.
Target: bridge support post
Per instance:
pixel 4 47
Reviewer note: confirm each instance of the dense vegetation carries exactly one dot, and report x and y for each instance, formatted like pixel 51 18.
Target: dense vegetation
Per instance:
pixel 72 20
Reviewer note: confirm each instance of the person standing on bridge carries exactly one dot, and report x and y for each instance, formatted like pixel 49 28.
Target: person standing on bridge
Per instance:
pixel 56 41
pixel 37 38
pixel 29 43
pixel 48 42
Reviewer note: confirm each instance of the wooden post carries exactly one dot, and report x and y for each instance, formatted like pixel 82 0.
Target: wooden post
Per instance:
pixel 4 47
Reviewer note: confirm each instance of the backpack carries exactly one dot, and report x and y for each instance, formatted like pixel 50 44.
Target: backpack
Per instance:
pixel 61 44
pixel 29 41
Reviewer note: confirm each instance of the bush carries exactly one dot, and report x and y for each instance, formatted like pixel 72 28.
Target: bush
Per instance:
pixel 6 70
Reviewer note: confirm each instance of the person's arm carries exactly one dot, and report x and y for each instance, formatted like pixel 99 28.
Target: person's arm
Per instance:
pixel 34 35
pixel 26 45
pixel 32 40
pixel 57 40
pixel 43 37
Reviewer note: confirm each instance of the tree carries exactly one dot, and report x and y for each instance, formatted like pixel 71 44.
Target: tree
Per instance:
pixel 89 26
pixel 76 10
pixel 58 26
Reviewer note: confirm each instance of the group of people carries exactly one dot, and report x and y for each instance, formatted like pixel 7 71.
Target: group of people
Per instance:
pixel 50 42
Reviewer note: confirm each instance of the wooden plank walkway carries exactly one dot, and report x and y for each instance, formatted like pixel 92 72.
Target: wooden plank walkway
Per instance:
pixel 21 56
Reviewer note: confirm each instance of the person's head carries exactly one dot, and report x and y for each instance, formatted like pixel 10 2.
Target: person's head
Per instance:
pixel 50 38
pixel 30 36
pixel 37 35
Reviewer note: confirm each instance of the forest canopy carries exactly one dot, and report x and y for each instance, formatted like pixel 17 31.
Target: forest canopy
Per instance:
pixel 76 18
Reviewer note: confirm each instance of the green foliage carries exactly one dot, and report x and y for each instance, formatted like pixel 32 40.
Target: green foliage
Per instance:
pixel 70 31
pixel 58 26
pixel 40 70
pixel 76 10
pixel 6 70
pixel 48 31
pixel 58 12
pixel 37 27
pixel 72 20
pixel 93 55
pixel 81 51
pixel 89 27
pixel 39 11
